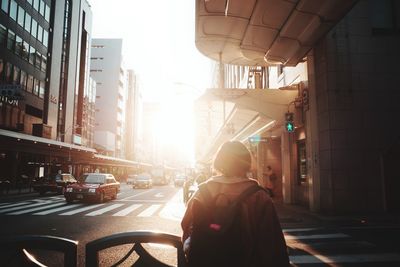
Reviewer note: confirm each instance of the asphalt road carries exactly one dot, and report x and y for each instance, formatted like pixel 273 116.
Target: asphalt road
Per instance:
pixel 157 209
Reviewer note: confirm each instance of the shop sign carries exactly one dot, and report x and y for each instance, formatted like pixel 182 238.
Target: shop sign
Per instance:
pixel 11 91
pixel 53 99
pixel 6 100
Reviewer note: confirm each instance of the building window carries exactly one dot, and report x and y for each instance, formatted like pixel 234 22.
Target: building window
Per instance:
pixel 45 38
pixel 41 89
pixel 32 52
pixel 302 162
pixel 28 20
pixel 13 10
pixel 18 45
pixel 8 73
pixel 34 28
pixel 3 35
pixel 25 50
pixel 4 5
pixel 11 40
pixel 47 14
pixel 23 79
pixel 40 33
pixel 44 63
pixel 385 16
pixel 1 70
pixel 36 4
pixel 21 16
pixel 42 8
pixel 35 87
pixel 29 84
pixel 97 46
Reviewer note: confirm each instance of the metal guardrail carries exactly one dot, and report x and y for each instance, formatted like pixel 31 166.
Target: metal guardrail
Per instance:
pixel 17 248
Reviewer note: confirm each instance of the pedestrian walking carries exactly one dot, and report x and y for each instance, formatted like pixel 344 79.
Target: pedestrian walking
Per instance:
pixel 231 220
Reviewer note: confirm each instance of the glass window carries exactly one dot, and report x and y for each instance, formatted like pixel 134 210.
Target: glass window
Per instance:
pixel 34 28
pixel 4 5
pixel 29 84
pixel 3 35
pixel 32 52
pixel 41 89
pixel 38 59
pixel 36 5
pixel 25 50
pixel 18 45
pixel 21 16
pixel 10 40
pixel 28 19
pixel 40 33
pixel 13 10
pixel 44 63
pixel 42 8
pixel 30 2
pixel 23 80
pixel 47 13
pixel 16 75
pixel 35 87
pixel 45 38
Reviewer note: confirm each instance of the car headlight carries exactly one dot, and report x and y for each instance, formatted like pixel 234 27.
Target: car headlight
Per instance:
pixel 92 190
pixel 69 189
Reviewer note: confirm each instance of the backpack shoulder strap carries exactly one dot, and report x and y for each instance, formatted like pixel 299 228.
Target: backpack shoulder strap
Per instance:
pixel 205 193
pixel 247 192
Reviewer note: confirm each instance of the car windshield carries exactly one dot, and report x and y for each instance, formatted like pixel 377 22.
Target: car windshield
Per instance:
pixel 93 178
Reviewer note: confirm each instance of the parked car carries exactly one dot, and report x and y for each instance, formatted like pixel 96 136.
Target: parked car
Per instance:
pixel 131 178
pixel 93 187
pixel 53 183
pixel 179 180
pixel 143 180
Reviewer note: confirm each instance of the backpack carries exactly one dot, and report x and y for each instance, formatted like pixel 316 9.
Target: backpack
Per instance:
pixel 216 238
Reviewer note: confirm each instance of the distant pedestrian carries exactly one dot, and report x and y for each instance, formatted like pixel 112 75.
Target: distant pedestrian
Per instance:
pixel 231 220
pixel 270 180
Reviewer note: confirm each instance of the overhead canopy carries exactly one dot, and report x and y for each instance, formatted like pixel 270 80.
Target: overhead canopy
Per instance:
pixel 255 111
pixel 264 32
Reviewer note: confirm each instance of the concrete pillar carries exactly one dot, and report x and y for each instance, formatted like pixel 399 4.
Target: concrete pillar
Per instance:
pixel 287 172
pixel 312 139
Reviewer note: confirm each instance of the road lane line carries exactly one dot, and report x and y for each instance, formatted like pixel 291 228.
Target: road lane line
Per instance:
pixel 322 236
pixel 14 205
pixel 23 207
pixel 58 209
pixel 149 211
pixel 104 210
pixel 347 258
pixel 128 210
pixel 72 212
pixel 35 209
pixel 141 193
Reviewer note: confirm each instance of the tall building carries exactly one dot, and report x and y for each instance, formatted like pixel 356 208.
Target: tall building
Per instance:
pixel 132 116
pixel 108 71
pixel 44 59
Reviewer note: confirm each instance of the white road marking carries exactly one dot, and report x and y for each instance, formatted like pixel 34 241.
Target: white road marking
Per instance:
pixel 26 206
pixel 128 210
pixel 175 208
pixel 2 204
pixel 104 210
pixel 58 209
pixel 292 230
pixel 149 211
pixel 81 209
pixel 352 258
pixel 159 195
pixel 35 209
pixel 322 236
pixel 14 205
pixel 141 193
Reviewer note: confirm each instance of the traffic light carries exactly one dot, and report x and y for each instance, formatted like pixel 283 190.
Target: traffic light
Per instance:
pixel 289 124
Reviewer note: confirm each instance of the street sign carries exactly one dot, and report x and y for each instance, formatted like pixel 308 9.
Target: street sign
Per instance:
pixel 257 139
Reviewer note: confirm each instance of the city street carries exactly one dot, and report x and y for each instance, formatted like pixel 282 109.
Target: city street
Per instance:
pixel 310 242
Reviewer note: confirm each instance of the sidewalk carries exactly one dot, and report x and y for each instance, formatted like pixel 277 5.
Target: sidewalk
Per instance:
pixel 13 192
pixel 295 216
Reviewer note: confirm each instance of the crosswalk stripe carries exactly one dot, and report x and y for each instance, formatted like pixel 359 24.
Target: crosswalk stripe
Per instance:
pixel 293 230
pixel 14 205
pixel 322 236
pixel 23 207
pixel 149 211
pixel 2 204
pixel 104 210
pixel 66 207
pixel 128 210
pixel 72 212
pixel 35 209
pixel 351 258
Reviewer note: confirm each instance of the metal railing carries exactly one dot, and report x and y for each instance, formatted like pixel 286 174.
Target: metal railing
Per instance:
pixel 16 250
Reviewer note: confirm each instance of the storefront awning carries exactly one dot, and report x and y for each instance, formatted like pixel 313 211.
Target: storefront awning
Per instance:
pixel 255 111
pixel 264 32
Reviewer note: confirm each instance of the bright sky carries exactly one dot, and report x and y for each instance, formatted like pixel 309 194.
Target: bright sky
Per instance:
pixel 158 44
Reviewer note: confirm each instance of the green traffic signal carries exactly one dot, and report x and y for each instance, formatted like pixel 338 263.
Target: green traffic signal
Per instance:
pixel 289 126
